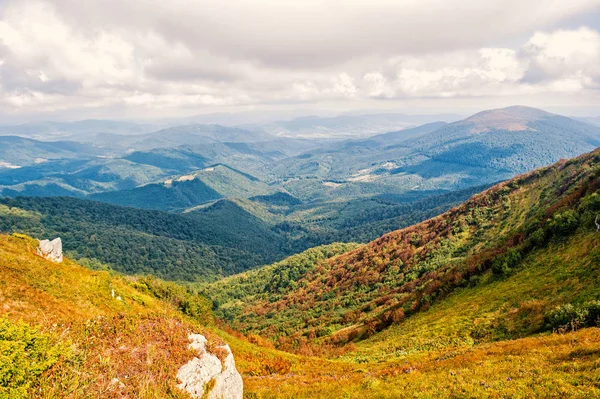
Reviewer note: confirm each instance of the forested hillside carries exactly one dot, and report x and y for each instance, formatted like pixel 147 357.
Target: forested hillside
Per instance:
pixel 487 147
pixel 493 296
pixel 222 238
pixel 136 241
pixel 19 151
pixel 196 188
pixel 539 224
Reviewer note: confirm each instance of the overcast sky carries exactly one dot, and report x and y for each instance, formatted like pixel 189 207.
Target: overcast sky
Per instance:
pixel 154 58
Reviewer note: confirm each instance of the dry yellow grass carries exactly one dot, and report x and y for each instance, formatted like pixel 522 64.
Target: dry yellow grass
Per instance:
pixel 141 341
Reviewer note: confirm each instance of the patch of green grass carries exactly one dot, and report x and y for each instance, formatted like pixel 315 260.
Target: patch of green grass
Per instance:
pixel 25 354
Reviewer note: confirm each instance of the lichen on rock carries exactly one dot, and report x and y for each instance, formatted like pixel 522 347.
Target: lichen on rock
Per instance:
pixel 207 373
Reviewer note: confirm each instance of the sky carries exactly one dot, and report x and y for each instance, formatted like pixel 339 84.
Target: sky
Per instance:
pixel 140 59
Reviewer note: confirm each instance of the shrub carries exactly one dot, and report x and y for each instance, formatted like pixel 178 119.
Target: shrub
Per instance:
pixel 591 202
pixel 564 223
pixel 474 280
pixel 25 353
pixel 571 316
pixel 189 303
pixel 538 237
pixel 593 313
pixel 565 317
pixel 504 264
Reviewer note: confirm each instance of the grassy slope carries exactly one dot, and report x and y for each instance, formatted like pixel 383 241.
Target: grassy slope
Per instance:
pixel 141 341
pixel 366 290
pixel 449 351
pixel 88 338
pixel 552 366
pixel 103 337
pixel 498 309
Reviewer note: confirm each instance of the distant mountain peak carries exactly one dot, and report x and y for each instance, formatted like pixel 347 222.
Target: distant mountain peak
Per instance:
pixel 514 118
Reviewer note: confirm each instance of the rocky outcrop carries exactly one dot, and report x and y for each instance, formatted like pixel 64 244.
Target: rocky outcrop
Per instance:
pixel 51 250
pixel 210 375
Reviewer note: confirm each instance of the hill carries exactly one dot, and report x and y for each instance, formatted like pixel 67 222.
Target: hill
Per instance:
pixel 528 244
pixel 595 120
pixel 172 159
pixel 68 332
pixel 81 131
pixel 77 177
pixel 79 173
pixel 168 195
pixel 60 320
pixel 16 152
pixel 191 135
pixel 348 126
pixel 136 241
pixel 515 139
pixel 484 148
pixel 232 183
pixel 480 288
pixel 189 190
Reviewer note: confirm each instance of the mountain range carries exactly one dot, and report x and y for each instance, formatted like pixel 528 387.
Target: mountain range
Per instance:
pixel 497 295
pixel 497 263
pixel 349 191
pixel 484 148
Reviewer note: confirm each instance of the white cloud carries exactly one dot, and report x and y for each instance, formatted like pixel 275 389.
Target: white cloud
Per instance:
pixel 378 86
pixel 468 73
pixel 566 55
pixel 140 54
pixel 564 61
pixel 344 85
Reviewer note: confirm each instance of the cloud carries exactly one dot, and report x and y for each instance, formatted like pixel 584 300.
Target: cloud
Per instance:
pixel 563 61
pixel 467 73
pixel 568 55
pixel 68 55
pixel 317 33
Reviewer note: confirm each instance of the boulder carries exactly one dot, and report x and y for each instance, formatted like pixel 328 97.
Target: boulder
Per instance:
pixel 207 376
pixel 51 250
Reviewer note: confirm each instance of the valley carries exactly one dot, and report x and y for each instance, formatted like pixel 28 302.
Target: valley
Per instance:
pixel 452 259
pixel 299 199
pixel 289 194
pixel 515 316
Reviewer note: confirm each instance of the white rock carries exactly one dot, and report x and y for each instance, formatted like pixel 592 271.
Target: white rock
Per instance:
pixel 115 382
pixel 196 374
pixel 51 250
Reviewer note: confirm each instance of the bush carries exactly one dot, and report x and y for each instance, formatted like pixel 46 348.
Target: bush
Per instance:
pixel 589 208
pixel 572 317
pixel 564 223
pixel 566 317
pixel 189 303
pixel 591 203
pixel 593 313
pixel 474 280
pixel 504 264
pixel 538 237
pixel 25 353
